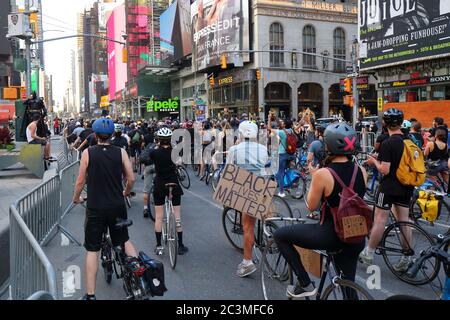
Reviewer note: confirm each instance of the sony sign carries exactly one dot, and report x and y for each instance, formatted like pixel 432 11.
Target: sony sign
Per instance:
pixel 373 12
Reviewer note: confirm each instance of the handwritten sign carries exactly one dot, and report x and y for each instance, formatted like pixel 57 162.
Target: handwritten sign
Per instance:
pixel 311 260
pixel 245 192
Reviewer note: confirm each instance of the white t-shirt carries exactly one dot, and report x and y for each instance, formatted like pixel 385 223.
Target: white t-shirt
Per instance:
pixel 249 155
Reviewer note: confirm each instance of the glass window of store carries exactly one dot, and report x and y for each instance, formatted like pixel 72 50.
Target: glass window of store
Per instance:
pixel 440 92
pixel 276 38
pixel 406 95
pixel 339 49
pixel 309 46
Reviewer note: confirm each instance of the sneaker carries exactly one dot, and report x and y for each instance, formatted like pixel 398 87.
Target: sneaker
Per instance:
pixel 364 258
pixel 159 250
pixel 402 265
pixel 89 297
pixel 182 250
pixel 245 270
pixel 281 194
pixel 298 291
pixel 146 213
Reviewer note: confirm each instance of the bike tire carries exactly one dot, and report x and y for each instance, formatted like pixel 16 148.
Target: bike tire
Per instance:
pixel 299 192
pixel 276 274
pixel 207 174
pixel 172 238
pixel 426 242
pixel 128 202
pixel 232 225
pixel 281 208
pixel 151 205
pixel 346 288
pixel 215 179
pixel 183 177
pixel 106 256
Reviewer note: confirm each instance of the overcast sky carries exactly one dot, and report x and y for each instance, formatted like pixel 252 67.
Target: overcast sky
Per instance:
pixel 60 15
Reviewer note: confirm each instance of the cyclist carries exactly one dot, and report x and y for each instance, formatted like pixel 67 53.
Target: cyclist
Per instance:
pixel 105 165
pixel 118 139
pixel 135 143
pixel 316 152
pixel 251 156
pixel 166 172
pixel 392 194
pixel 206 140
pixel 437 151
pixel 322 236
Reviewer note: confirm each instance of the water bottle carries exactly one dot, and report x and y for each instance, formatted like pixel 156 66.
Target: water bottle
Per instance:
pixel 446 291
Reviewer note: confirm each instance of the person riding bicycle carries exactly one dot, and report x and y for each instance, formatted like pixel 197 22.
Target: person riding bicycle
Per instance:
pixel 135 142
pixel 251 156
pixel 392 194
pixel 118 139
pixel 105 165
pixel 339 141
pixel 316 152
pixel 206 140
pixel 166 172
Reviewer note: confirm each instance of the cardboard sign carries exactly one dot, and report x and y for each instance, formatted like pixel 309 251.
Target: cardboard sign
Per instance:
pixel 354 226
pixel 312 261
pixel 245 192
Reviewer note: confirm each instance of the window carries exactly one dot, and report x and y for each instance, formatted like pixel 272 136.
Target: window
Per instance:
pixel 309 46
pixel 276 39
pixel 339 49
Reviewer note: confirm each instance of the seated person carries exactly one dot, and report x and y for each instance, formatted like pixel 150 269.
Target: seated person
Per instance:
pixel 33 138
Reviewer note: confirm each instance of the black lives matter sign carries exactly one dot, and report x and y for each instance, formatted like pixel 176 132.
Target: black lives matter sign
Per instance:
pixel 245 192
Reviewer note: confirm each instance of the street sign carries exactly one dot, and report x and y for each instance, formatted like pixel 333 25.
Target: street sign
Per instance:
pixel 349 69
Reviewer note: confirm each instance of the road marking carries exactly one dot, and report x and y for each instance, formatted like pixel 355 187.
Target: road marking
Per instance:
pixel 363 281
pixel 205 200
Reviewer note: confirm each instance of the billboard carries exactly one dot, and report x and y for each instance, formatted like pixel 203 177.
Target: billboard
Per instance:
pixel 167 20
pixel 400 31
pixel 218 27
pixel 104 12
pixel 111 58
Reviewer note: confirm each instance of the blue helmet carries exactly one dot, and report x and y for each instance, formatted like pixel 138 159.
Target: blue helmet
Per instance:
pixel 103 126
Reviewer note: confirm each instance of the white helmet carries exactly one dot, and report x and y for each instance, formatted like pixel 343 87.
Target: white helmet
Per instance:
pixel 164 133
pixel 248 130
pixel 406 124
pixel 117 127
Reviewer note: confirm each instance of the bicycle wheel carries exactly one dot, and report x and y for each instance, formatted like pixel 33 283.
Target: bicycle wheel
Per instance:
pixel 183 177
pixel 299 191
pixel 345 290
pixel 151 205
pixel 172 239
pixel 232 225
pixel 280 207
pixel 208 174
pixel 402 244
pixel 276 274
pixel 106 256
pixel 215 179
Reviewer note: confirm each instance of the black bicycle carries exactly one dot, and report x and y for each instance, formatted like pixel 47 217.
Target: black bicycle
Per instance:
pixel 183 177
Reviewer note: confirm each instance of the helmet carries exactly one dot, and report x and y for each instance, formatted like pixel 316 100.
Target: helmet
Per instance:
pixel 341 139
pixel 248 129
pixel 406 124
pixel 103 126
pixel 393 117
pixel 117 127
pixel 164 133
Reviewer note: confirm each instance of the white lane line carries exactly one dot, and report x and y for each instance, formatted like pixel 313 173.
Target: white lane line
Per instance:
pixel 363 281
pixel 204 200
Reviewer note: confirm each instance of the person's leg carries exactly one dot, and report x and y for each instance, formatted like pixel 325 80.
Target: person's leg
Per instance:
pixel 130 250
pixel 91 271
pixel 379 223
pixel 401 213
pixel 249 235
pixel 47 150
pixel 347 262
pixel 281 169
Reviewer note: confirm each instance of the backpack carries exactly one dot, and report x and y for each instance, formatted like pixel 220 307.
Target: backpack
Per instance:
pixel 430 205
pixel 136 138
pixel 411 170
pixel 353 218
pixel 291 142
pixel 415 140
pixel 145 155
pixel 154 275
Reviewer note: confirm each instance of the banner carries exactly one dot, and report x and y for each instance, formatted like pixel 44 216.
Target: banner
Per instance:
pixel 218 27
pixel 400 31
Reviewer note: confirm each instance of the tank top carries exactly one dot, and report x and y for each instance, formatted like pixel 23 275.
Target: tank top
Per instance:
pixel 105 171
pixel 29 138
pixel 438 154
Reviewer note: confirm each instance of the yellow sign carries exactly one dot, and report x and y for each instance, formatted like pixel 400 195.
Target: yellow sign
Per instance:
pixel 380 104
pixel 34 23
pixel 10 93
pixel 104 101
pixel 225 80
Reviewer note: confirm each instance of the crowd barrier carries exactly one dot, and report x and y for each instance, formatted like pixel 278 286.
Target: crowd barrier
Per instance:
pixel 35 219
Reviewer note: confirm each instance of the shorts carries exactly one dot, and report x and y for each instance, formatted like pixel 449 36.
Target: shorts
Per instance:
pixel 41 142
pixel 385 201
pixel 148 178
pixel 160 192
pixel 134 149
pixel 96 223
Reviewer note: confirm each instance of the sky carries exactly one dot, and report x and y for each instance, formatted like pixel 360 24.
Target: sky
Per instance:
pixel 60 15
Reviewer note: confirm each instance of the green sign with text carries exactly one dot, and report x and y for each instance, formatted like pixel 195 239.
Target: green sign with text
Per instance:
pixel 169 105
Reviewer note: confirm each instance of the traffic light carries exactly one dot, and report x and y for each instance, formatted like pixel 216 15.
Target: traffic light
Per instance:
pixel 223 61
pixel 211 81
pixel 258 74
pixel 348 85
pixel 124 55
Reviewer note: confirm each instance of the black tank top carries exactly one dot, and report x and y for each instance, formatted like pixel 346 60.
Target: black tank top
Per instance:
pixel 105 171
pixel 345 172
pixel 438 154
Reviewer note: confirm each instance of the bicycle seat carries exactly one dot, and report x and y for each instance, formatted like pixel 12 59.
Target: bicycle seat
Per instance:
pixel 171 185
pixel 120 223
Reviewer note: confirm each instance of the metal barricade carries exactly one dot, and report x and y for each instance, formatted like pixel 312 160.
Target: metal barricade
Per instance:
pixel 30 269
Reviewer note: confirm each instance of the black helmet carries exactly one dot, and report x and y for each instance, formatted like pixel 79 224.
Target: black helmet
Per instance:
pixel 341 139
pixel 393 117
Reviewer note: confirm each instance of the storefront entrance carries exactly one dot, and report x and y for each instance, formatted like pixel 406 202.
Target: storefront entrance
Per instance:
pixel 310 95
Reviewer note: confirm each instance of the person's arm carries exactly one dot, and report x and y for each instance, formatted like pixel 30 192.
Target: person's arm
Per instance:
pixel 82 145
pixel 33 130
pixel 316 189
pixel 81 180
pixel 128 171
pixel 428 149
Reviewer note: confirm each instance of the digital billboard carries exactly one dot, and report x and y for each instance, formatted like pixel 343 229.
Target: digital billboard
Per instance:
pixel 166 25
pixel 218 27
pixel 111 58
pixel 400 31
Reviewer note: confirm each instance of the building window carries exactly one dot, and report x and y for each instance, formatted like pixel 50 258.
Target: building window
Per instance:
pixel 276 39
pixel 309 46
pixel 339 49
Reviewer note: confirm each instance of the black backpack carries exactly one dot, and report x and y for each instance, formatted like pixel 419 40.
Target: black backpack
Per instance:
pixel 145 155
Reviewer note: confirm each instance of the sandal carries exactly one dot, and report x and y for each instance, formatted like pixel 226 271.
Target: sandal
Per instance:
pixel 313 216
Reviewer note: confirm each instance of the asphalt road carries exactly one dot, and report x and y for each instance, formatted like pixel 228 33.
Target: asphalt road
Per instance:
pixel 208 270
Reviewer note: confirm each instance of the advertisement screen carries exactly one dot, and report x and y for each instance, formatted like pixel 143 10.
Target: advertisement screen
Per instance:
pixel 167 20
pixel 182 38
pixel 119 30
pixel 111 58
pixel 399 31
pixel 218 27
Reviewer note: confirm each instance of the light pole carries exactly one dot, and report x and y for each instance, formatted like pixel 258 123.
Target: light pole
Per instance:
pixel 355 82
pixel 28 53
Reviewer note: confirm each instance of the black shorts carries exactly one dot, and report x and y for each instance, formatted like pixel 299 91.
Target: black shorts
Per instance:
pixel 96 223
pixel 135 149
pixel 385 201
pixel 41 142
pixel 160 192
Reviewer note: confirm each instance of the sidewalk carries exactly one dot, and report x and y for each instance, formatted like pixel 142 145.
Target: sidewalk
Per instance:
pixel 14 183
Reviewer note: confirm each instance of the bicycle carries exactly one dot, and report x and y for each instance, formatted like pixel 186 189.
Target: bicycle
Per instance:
pixel 183 177
pixel 415 210
pixel 232 221
pixel 115 260
pixel 169 227
pixel 277 275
